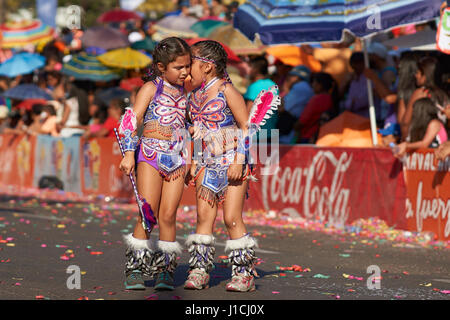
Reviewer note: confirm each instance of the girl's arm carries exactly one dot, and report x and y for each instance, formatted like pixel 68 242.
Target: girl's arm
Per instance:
pixel 432 130
pixel 143 98
pixel 238 107
pixel 405 121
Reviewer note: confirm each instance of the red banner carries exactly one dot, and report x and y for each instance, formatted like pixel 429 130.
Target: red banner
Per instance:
pixel 17 154
pixel 428 192
pixel 337 185
pixel 100 174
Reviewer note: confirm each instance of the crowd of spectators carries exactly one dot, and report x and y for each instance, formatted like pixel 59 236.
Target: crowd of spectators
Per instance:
pixel 410 89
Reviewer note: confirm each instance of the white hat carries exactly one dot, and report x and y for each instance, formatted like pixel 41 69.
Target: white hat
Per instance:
pixel 4 112
pixel 378 49
pixel 134 37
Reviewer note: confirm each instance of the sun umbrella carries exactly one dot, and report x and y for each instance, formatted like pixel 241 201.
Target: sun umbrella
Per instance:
pixel 232 57
pixel 125 58
pixel 174 26
pixel 28 103
pixel 297 21
pixel 21 63
pixel 104 37
pixel 118 15
pixel 18 34
pixel 294 56
pixel 147 44
pixel 237 41
pixel 131 83
pixel 109 94
pixel 26 91
pixel 204 27
pixel 88 67
pixel 156 5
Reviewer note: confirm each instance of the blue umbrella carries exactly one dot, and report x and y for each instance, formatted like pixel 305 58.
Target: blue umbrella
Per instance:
pixel 87 67
pixel 21 63
pixel 26 91
pixel 299 21
pixel 109 94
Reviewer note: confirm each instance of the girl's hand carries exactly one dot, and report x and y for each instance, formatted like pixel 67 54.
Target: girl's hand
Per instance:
pixel 401 150
pixel 127 164
pixel 442 151
pixel 235 172
pixel 188 180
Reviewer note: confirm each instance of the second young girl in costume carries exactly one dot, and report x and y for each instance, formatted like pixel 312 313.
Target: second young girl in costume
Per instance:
pixel 161 107
pixel 220 172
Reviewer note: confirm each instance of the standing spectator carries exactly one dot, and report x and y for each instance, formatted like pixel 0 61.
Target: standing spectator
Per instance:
pixel 3 118
pixel 218 9
pixel 49 121
pixel 294 102
pixel 427 81
pixel 427 131
pixel 260 80
pixel 325 99
pixel 107 129
pixel 406 86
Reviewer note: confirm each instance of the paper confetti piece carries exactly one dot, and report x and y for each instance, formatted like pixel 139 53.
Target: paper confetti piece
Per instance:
pixel 344 255
pixel 321 276
pixel 426 284
pixel 445 291
pixel 275 292
pixel 96 252
pixel 152 297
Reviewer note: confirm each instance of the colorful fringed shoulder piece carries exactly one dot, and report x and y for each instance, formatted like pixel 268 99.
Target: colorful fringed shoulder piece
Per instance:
pixel 265 104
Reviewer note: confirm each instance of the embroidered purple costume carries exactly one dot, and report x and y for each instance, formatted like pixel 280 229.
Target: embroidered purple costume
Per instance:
pixel 164 115
pixel 219 145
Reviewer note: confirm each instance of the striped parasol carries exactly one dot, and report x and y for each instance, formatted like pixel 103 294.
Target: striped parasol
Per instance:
pixel 18 34
pixel 87 67
pixel 125 58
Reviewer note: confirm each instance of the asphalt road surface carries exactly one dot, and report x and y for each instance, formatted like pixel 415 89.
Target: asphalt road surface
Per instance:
pixel 40 240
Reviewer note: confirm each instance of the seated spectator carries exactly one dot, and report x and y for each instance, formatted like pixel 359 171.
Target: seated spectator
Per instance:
pixel 107 130
pixel 294 102
pixel 260 81
pixel 35 127
pixel 443 151
pixel 3 118
pixel 427 87
pixel 49 121
pixel 427 131
pixel 325 99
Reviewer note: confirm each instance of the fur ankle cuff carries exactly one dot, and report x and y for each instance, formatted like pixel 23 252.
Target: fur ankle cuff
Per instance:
pixel 196 238
pixel 244 242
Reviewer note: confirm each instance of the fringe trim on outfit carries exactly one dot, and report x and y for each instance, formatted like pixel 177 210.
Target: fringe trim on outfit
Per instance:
pixel 153 126
pixel 180 171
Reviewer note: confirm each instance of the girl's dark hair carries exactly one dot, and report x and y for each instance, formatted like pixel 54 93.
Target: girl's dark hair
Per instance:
pixel 214 51
pixel 429 66
pixel 424 110
pixel 407 76
pixel 166 51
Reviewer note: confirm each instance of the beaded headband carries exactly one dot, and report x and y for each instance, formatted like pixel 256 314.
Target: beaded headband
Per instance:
pixel 207 60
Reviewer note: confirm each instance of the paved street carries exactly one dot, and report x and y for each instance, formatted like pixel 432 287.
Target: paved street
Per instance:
pixel 40 240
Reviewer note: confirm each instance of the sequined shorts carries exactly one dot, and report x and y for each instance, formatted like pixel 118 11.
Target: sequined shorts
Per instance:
pixel 215 180
pixel 163 156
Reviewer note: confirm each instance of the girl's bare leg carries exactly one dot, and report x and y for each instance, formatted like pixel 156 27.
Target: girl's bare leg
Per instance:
pixel 149 184
pixel 232 209
pixel 206 214
pixel 171 194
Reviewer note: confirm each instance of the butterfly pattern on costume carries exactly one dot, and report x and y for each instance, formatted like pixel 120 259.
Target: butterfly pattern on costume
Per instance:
pixel 170 111
pixel 213 114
